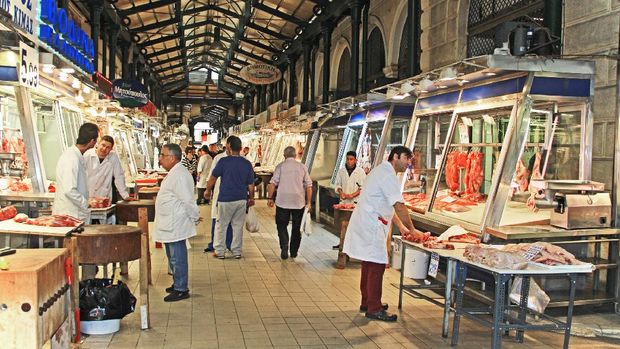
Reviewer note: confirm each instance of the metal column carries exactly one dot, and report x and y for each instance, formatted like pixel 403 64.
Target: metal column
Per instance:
pixel 96 8
pixel 326 29
pixel 114 31
pixel 355 45
pixel 306 75
pixel 365 47
pixel 292 80
pixel 414 11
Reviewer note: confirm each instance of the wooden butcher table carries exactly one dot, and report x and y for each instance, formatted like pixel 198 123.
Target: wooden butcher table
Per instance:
pixel 143 212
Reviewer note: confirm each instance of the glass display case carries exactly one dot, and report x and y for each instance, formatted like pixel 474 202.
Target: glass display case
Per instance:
pixel 477 147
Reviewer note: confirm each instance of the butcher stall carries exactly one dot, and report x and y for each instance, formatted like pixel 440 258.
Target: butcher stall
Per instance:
pixel 502 146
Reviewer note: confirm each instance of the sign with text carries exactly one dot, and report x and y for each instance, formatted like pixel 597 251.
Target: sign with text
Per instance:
pixel 60 32
pixel 29 66
pixel 130 93
pixel 24 13
pixel 260 74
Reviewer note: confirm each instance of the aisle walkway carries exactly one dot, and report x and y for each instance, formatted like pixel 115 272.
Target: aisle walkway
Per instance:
pixel 263 302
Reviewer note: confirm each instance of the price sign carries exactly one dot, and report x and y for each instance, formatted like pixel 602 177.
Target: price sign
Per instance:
pixel 532 252
pixel 463 133
pixel 29 66
pixel 433 266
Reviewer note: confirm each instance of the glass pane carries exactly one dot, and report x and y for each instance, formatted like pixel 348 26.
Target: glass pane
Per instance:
pixel 370 145
pixel 49 132
pixel 11 135
pixel 465 179
pixel 326 152
pixel 525 205
pixel 397 136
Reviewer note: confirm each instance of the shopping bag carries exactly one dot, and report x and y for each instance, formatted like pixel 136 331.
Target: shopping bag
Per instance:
pixel 306 222
pixel 251 221
pixel 537 299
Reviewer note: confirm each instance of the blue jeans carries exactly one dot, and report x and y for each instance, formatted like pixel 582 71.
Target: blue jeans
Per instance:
pixel 229 235
pixel 177 261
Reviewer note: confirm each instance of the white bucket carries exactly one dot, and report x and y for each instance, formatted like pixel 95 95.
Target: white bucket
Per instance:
pixel 416 264
pixel 100 327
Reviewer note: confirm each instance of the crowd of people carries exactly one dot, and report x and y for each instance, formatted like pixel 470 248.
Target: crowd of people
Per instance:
pixel 225 179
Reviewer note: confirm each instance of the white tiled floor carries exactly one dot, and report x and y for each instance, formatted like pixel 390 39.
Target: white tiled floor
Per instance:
pixel 261 301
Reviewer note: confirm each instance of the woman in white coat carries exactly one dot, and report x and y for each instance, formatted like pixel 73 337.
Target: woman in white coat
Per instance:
pixel 368 229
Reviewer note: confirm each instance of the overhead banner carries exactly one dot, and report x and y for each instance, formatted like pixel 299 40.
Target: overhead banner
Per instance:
pixel 24 15
pixel 130 93
pixel 260 74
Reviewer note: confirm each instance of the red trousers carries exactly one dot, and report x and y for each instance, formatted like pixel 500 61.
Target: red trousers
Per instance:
pixel 371 285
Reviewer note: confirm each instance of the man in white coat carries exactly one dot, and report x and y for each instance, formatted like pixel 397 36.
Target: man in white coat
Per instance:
pixel 71 180
pixel 72 185
pixel 349 182
pixel 176 216
pixel 103 165
pixel 204 169
pixel 368 229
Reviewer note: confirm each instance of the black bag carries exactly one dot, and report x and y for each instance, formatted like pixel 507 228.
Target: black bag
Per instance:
pixel 100 300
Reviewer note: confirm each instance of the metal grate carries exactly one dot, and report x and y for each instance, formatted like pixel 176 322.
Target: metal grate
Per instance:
pixel 483 43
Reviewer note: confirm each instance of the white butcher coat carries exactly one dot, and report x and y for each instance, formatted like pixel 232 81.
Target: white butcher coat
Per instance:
pixel 366 234
pixel 204 168
pixel 71 186
pixel 216 188
pixel 176 211
pixel 350 184
pixel 100 175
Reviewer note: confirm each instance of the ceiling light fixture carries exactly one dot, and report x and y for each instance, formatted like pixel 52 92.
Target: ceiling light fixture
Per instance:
pixel 76 83
pixel 217 46
pixel 447 74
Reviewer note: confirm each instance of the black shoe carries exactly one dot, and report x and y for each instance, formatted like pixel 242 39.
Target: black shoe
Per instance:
pixel 382 315
pixel 176 296
pixel 171 289
pixel 293 254
pixel 336 247
pixel 208 249
pixel 284 255
pixel 364 309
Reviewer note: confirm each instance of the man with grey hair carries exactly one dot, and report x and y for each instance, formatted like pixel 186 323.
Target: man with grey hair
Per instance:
pixel 294 193
pixel 176 216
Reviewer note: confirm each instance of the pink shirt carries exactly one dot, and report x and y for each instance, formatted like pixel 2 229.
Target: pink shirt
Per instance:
pixel 291 179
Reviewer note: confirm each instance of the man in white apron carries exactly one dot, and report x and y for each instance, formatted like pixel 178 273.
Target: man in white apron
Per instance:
pixel 349 182
pixel 368 229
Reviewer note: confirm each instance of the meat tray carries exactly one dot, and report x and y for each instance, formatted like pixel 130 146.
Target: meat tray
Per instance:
pixel 11 226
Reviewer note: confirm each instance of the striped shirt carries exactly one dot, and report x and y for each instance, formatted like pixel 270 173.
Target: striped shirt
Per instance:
pixel 190 165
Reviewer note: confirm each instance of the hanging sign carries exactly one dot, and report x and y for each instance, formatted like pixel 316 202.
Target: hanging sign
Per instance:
pixel 130 93
pixel 260 74
pixel 61 33
pixel 24 13
pixel 29 66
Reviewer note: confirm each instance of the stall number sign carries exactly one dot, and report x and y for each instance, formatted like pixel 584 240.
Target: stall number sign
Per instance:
pixel 24 14
pixel 433 266
pixel 29 66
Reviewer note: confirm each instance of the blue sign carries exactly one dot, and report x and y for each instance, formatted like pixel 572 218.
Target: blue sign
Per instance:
pixel 130 93
pixel 61 33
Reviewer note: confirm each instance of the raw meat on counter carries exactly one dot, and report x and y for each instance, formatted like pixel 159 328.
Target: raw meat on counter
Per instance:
pixel 49 221
pixel 547 253
pixel 416 237
pixel 419 200
pixel 17 185
pixel 467 238
pixel 344 206
pixel 495 258
pixel 436 244
pixel 7 212
pixel 99 202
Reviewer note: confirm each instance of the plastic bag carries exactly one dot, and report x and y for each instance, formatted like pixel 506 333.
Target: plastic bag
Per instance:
pixel 306 223
pixel 101 300
pixel 537 299
pixel 251 221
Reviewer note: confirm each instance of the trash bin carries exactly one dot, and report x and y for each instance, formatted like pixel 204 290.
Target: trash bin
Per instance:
pixel 103 304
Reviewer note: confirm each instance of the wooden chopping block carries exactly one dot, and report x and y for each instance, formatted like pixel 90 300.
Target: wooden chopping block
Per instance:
pixel 127 211
pixel 105 243
pixel 34 297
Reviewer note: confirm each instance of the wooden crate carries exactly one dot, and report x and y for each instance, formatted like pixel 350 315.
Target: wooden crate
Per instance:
pixel 34 282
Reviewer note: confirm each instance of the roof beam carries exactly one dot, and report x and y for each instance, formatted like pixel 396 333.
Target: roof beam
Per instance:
pixel 155 25
pixel 253 56
pixel 268 31
pixel 209 21
pixel 221 10
pixel 259 45
pixel 272 11
pixel 243 21
pixel 146 7
pixel 160 40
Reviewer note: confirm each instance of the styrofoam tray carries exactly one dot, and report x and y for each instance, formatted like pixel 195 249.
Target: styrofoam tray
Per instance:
pixel 11 225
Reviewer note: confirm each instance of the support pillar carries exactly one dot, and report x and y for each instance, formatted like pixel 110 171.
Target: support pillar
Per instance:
pixel 114 32
pixel 281 95
pixel 364 88
pixel 306 77
pixel 104 49
pixel 552 19
pixel 312 105
pixel 96 8
pixel 272 91
pixel 326 29
pixel 292 80
pixel 414 12
pixel 125 45
pixel 354 5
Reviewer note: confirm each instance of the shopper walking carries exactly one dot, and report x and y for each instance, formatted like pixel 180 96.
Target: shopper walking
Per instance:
pixel 349 182
pixel 203 170
pixel 190 162
pixel 236 195
pixel 176 216
pixel 367 232
pixel 292 182
pixel 213 195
